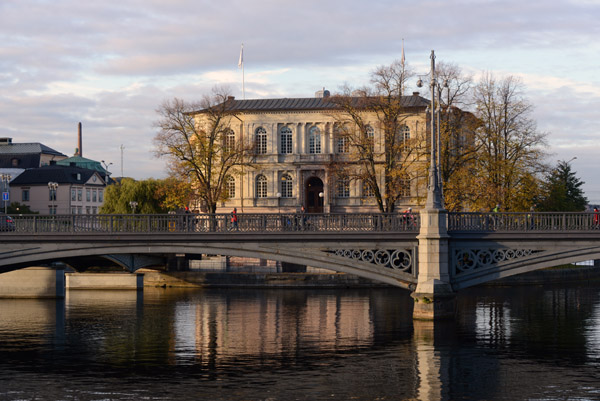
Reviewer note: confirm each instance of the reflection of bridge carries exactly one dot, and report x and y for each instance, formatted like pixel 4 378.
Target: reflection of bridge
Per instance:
pixel 389 248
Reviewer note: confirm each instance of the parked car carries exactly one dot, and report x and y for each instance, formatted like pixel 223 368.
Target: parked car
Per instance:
pixel 6 223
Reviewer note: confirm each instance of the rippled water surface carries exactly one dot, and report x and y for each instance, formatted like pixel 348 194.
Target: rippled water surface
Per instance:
pixel 538 343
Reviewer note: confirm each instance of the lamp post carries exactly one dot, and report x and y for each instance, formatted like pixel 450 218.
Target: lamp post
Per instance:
pixel 5 192
pixel 52 188
pixel 133 205
pixel 279 202
pixel 434 188
pixel 106 169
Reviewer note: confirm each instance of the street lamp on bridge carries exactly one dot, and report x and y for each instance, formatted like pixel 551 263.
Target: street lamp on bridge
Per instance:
pixel 133 205
pixel 434 188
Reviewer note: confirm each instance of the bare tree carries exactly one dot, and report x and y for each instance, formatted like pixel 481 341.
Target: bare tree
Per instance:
pixel 199 144
pixel 458 148
pixel 383 170
pixel 510 147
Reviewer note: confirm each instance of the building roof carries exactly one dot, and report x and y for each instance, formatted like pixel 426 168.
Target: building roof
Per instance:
pixel 83 163
pixel 23 160
pixel 54 173
pixel 28 148
pixel 311 103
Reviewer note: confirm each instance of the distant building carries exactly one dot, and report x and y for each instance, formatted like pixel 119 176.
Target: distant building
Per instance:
pixel 20 156
pixel 78 191
pixel 82 162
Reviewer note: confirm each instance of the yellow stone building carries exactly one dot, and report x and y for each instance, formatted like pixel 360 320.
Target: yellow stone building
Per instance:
pixel 296 154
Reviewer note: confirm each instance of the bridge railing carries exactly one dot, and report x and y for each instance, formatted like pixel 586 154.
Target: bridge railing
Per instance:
pixel 539 221
pixel 192 223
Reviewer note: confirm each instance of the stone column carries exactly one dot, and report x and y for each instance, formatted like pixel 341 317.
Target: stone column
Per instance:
pixel 434 298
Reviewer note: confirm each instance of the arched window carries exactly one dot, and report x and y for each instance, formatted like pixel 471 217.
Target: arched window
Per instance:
pixel 285 135
pixel 261 141
pixel 230 187
pixel 343 187
pixel 314 140
pixel 261 186
pixel 229 140
pixel 286 186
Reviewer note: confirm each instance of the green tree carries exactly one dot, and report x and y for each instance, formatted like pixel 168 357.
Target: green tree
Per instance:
pixel 562 191
pixel 19 208
pixel 145 193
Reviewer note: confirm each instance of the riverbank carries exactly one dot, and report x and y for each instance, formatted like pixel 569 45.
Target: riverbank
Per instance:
pixel 152 278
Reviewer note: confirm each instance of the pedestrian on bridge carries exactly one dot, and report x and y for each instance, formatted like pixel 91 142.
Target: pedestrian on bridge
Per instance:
pixel 596 217
pixel 234 219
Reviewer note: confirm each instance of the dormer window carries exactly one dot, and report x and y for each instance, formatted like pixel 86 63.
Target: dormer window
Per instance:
pixel 14 162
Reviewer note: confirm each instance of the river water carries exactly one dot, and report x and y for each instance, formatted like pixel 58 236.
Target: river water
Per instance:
pixel 536 343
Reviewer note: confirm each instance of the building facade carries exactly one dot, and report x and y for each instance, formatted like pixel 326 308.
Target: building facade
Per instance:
pixel 297 156
pixel 56 189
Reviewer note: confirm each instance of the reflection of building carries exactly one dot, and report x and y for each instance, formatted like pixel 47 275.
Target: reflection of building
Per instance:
pixel 295 151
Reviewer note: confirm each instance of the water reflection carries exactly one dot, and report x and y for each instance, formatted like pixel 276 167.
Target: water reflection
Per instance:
pixel 537 343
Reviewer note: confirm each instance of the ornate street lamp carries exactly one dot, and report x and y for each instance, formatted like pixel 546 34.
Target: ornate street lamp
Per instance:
pixel 52 188
pixel 133 205
pixel 434 188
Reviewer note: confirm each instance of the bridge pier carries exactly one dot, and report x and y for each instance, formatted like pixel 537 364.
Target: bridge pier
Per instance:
pixel 433 298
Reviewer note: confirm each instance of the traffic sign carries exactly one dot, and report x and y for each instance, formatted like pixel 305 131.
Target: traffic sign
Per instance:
pixel 5 196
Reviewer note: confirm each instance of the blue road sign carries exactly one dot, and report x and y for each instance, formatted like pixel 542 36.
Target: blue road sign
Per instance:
pixel 5 196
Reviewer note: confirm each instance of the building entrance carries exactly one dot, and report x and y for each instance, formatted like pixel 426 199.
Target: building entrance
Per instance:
pixel 314 195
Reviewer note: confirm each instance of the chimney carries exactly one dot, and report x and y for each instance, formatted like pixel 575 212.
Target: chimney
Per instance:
pixel 79 143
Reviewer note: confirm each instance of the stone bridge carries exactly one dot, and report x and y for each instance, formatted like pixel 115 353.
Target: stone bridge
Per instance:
pixel 472 248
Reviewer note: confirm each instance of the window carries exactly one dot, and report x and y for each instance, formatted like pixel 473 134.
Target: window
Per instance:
pixel 343 187
pixel 405 186
pixel 261 186
pixel 343 145
pixel 261 141
pixel 79 194
pixel 229 140
pixel 404 136
pixel 314 140
pixel 286 186
pixel 73 210
pixel 88 210
pixel 88 195
pixel 285 135
pixel 94 196
pixel 367 191
pixel 25 195
pixel 73 194
pixel 51 194
pixel 370 132
pixel 230 187
pixel 342 141
pixel 51 209
pixel 100 195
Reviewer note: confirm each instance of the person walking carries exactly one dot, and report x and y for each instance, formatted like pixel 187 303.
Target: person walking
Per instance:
pixel 234 219
pixel 596 217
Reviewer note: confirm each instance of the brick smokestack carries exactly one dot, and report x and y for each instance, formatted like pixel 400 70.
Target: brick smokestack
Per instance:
pixel 79 142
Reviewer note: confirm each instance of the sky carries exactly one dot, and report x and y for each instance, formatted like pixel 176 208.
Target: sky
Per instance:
pixel 111 64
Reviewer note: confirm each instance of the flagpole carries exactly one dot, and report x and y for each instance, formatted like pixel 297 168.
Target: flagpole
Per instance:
pixel 241 65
